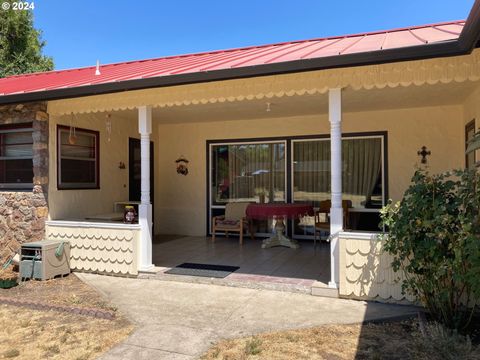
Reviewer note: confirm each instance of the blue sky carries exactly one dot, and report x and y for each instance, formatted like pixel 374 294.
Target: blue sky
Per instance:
pixel 80 32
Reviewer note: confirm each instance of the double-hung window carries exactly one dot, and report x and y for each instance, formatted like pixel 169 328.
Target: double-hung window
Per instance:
pixel 78 158
pixel 16 155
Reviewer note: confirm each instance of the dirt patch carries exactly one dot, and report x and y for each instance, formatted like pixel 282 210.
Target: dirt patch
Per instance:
pixel 331 342
pixel 69 291
pixel 39 334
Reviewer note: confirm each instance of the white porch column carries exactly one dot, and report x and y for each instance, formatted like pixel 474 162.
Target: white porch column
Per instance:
pixel 336 212
pixel 145 207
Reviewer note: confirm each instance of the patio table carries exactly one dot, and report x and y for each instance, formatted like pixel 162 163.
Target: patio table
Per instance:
pixel 279 212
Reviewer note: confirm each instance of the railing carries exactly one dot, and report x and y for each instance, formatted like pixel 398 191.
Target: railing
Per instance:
pixel 365 270
pixel 99 247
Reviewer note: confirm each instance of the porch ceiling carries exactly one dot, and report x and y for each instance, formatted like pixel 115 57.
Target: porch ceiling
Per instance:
pixel 452 93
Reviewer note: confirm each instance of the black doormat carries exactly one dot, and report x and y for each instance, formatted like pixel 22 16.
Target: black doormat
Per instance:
pixel 205 270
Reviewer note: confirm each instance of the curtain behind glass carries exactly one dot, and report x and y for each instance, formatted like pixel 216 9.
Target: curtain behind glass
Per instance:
pixel 311 171
pixel 361 170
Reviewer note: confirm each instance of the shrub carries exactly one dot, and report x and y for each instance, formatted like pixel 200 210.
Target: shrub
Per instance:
pixel 433 236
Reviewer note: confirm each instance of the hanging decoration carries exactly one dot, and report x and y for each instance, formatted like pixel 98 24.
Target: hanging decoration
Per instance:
pixel 182 165
pixel 108 126
pixel 423 152
pixel 72 136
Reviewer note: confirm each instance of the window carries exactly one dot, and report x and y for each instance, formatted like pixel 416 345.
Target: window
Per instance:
pixel 248 172
pixel 297 169
pixel 362 175
pixel 362 179
pixel 16 154
pixel 470 158
pixel 78 158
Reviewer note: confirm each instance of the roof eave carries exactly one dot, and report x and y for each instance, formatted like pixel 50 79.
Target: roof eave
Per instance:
pixel 467 41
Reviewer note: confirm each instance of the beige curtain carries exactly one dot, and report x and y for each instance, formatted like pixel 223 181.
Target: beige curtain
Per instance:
pixel 361 168
pixel 362 160
pixel 311 170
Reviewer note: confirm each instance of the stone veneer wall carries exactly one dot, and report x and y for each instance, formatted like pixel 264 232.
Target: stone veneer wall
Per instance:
pixel 23 213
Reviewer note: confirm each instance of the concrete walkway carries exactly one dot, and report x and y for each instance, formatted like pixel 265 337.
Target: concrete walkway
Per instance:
pixel 181 321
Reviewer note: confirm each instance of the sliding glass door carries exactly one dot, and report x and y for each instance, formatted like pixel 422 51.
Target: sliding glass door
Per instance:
pixel 362 177
pixel 250 171
pixel 298 170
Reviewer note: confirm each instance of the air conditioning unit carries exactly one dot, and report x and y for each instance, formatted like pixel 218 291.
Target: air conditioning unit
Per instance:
pixel 44 259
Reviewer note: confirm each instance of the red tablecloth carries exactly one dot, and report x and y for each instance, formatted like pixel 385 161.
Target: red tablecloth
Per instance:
pixel 290 211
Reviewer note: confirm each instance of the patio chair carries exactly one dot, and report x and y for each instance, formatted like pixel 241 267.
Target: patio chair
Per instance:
pixel 322 217
pixel 234 220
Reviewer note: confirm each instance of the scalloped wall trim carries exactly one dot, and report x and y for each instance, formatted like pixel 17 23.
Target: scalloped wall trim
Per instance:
pixel 408 73
pixel 100 249
pixel 366 272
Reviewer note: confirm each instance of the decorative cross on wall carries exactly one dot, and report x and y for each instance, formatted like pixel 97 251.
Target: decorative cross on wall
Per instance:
pixel 423 152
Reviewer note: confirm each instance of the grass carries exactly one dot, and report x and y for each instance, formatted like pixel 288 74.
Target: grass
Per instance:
pixel 68 291
pixel 54 335
pixel 395 341
pixel 40 334
pixel 253 346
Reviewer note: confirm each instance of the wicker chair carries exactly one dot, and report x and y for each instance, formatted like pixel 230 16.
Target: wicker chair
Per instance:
pixel 322 217
pixel 234 220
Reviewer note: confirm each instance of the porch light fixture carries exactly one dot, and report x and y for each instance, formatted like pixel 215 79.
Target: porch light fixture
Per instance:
pixel 268 107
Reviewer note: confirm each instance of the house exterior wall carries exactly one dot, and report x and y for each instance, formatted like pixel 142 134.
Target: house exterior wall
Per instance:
pixel 71 204
pixel 181 200
pixel 23 213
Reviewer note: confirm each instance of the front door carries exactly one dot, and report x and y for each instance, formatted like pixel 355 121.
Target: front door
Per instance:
pixel 134 170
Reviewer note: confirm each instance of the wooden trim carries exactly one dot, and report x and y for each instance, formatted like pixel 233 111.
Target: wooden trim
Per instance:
pixel 96 133
pixel 469 127
pixel 28 127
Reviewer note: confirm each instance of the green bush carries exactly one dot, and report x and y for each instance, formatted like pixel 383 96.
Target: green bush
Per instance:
pixel 433 236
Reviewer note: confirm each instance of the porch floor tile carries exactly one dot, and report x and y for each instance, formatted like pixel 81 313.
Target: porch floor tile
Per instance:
pixel 276 268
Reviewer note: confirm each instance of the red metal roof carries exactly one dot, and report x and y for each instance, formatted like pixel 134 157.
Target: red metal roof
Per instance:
pixel 232 58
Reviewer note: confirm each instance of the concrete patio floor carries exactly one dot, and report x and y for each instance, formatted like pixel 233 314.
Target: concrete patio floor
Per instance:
pixel 177 320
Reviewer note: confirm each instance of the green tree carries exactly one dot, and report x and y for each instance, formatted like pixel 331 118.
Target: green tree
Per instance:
pixel 21 44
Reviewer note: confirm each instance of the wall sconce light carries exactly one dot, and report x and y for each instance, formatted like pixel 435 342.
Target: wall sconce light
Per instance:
pixel 121 165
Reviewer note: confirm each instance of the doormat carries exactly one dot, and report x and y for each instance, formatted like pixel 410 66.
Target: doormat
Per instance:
pixel 205 270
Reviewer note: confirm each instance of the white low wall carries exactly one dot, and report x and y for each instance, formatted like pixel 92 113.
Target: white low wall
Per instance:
pixel 99 247
pixel 365 269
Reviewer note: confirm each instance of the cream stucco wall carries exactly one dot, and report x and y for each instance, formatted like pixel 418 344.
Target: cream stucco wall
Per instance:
pixel 67 204
pixel 181 200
